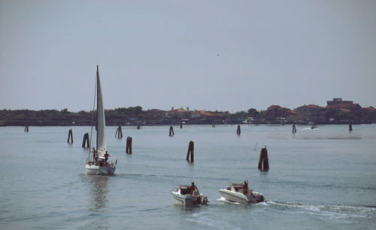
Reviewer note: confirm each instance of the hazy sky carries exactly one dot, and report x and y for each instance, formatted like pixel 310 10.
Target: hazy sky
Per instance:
pixel 203 54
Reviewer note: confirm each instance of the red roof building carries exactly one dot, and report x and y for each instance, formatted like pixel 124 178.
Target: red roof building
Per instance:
pixel 311 113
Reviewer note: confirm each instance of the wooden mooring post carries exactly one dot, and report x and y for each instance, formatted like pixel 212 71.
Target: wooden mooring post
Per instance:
pixel 263 164
pixel 70 137
pixel 26 130
pixel 293 129
pixel 86 141
pixel 119 133
pixel 171 133
pixel 128 147
pixel 350 127
pixel 138 125
pixel 181 124
pixel 191 151
pixel 238 130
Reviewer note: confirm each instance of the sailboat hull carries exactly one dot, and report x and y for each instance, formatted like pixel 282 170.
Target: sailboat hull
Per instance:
pixel 98 170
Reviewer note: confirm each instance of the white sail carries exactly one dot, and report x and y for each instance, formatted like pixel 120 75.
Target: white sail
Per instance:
pixel 97 163
pixel 101 122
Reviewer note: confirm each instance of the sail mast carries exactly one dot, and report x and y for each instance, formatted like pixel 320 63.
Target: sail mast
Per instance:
pixel 97 111
pixel 101 124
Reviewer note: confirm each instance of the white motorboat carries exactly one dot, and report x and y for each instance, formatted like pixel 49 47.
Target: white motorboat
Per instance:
pixel 96 162
pixel 183 196
pixel 240 193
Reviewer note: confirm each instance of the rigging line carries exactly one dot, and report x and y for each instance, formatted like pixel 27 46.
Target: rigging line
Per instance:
pixel 92 116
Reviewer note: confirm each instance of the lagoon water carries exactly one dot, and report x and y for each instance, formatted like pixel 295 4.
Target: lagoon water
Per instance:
pixel 318 179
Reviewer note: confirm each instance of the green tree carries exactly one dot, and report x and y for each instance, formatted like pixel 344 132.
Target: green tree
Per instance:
pixel 253 112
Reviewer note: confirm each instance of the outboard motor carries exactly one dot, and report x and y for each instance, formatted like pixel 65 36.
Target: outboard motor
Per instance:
pixel 204 199
pixel 198 200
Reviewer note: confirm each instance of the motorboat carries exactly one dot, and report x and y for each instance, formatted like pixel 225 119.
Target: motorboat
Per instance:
pixel 183 195
pixel 313 125
pixel 238 192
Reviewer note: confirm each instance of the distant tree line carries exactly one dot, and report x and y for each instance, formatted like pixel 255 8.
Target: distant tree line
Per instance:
pixel 136 115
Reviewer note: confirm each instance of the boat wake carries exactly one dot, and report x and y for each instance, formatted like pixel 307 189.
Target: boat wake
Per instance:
pixel 222 199
pixel 310 128
pixel 338 213
pixel 331 211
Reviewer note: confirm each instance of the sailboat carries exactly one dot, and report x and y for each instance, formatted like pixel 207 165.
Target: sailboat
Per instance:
pixel 97 160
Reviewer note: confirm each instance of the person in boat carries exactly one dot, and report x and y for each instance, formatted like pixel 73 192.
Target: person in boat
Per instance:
pixel 106 155
pixel 94 152
pixel 245 188
pixel 192 188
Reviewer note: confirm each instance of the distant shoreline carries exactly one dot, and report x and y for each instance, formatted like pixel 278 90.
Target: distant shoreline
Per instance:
pixel 191 124
pixel 134 116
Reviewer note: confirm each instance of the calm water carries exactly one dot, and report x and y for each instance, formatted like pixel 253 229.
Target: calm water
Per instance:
pixel 318 179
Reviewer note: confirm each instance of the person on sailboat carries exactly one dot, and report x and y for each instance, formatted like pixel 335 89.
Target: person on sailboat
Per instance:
pixel 94 154
pixel 106 155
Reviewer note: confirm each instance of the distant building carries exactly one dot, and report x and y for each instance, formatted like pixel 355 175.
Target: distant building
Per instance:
pixel 311 113
pixel 338 101
pixel 292 117
pixel 344 106
pixel 369 114
pixel 274 111
pixel 278 113
pixel 201 113
pixel 176 112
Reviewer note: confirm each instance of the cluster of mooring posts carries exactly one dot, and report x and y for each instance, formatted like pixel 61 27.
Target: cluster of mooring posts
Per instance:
pixel 171 133
pixel 119 133
pixel 128 147
pixel 294 128
pixel 86 144
pixel 85 141
pixel 191 152
pixel 70 137
pixel 263 164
